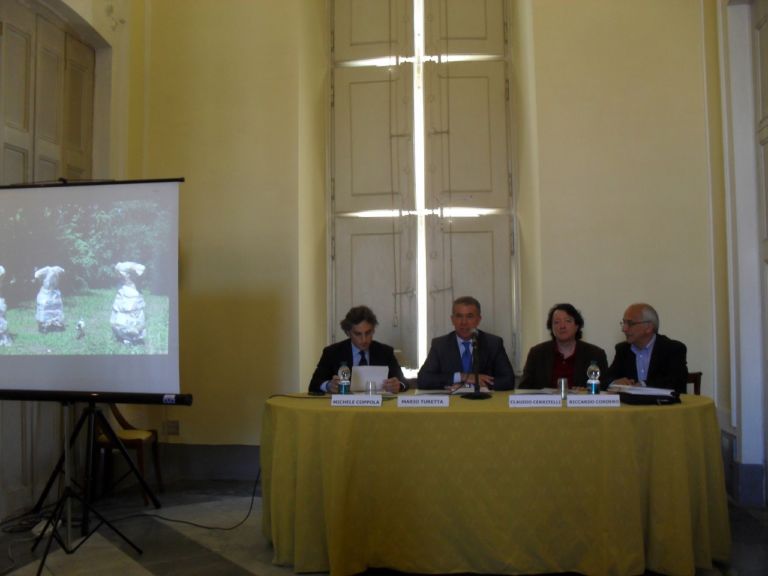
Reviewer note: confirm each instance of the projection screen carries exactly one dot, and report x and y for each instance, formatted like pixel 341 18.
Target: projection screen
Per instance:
pixel 89 287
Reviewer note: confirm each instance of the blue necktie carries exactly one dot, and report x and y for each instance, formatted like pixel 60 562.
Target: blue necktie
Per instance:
pixel 363 360
pixel 466 358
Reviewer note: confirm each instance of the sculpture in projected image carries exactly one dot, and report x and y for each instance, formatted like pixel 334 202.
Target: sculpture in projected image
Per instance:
pixel 5 338
pixel 128 322
pixel 50 307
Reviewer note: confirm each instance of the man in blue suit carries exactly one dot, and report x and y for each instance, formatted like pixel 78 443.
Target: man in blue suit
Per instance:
pixel 449 363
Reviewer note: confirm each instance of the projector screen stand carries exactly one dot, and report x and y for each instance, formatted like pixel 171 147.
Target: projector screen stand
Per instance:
pixel 91 415
pixel 62 511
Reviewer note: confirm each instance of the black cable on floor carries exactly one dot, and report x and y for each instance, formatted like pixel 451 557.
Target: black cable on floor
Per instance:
pixel 196 524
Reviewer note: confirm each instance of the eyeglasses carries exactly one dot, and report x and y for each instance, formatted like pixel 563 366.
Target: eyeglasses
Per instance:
pixel 630 323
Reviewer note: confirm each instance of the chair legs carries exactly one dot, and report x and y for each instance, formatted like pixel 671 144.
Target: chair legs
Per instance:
pixel 106 470
pixel 140 466
pixel 156 458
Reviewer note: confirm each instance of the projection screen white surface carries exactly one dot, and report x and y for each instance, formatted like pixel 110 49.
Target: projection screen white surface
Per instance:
pixel 89 287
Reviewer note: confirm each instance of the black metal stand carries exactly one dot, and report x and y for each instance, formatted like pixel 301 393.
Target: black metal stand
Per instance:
pixel 476 395
pixel 63 506
pixel 91 415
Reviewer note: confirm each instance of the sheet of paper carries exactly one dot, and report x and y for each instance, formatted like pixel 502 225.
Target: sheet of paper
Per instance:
pixel 363 374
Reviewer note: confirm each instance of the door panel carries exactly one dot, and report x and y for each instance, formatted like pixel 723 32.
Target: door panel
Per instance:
pixel 366 29
pixel 467 139
pixel 78 118
pixel 373 144
pixel 17 96
pixel 470 257
pixel 49 111
pixel 374 266
pixel 465 27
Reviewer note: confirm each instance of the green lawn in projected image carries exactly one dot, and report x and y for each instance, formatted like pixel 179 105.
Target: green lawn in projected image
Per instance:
pixel 94 307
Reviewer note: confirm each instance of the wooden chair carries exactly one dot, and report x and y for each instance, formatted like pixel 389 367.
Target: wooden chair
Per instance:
pixel 133 439
pixel 695 379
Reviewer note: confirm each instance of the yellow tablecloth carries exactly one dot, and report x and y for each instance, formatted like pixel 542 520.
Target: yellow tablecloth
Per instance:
pixel 479 487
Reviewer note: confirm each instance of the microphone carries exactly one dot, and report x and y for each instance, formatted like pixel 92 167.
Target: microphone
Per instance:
pixel 475 360
pixel 476 395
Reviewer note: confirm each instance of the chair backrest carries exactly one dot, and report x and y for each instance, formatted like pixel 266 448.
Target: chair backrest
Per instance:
pixel 695 379
pixel 124 424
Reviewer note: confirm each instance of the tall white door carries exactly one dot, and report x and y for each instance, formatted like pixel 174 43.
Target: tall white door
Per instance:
pixel 469 228
pixel 46 108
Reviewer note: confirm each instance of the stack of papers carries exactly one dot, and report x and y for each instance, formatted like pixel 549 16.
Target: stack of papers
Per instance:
pixel 641 390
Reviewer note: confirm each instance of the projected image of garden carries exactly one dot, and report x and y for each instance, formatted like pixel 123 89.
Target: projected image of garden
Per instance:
pixel 86 279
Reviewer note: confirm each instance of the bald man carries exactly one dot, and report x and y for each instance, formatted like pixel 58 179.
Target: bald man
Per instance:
pixel 647 358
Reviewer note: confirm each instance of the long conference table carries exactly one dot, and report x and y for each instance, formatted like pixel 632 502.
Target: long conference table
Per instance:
pixel 480 487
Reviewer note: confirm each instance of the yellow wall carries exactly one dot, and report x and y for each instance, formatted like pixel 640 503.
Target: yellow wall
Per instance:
pixel 231 96
pixel 620 187
pixel 618 191
pixel 228 86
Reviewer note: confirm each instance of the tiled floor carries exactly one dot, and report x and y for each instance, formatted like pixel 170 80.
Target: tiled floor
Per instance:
pixel 235 547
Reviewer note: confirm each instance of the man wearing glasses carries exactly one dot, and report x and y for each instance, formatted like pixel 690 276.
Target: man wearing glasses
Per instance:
pixel 648 358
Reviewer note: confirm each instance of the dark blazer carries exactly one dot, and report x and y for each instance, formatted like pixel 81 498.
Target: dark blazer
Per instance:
pixel 538 366
pixel 378 355
pixel 668 367
pixel 444 360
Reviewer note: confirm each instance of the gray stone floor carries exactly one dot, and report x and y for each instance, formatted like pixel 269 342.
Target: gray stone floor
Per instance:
pixel 220 534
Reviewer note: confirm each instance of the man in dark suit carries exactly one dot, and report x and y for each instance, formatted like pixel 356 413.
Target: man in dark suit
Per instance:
pixel 449 362
pixel 359 349
pixel 647 357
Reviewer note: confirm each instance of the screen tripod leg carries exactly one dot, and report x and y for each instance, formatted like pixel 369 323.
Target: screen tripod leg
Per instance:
pixel 53 524
pixel 60 464
pixel 64 503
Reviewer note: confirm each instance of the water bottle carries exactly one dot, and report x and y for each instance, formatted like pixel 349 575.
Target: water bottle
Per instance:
pixel 593 378
pixel 345 386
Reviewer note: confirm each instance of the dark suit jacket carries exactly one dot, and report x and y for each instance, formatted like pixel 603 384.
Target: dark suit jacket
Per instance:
pixel 444 359
pixel 541 358
pixel 378 355
pixel 668 367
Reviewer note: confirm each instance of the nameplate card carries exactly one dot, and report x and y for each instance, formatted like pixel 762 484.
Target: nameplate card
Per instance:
pixel 359 400
pixel 594 401
pixel 534 401
pixel 427 401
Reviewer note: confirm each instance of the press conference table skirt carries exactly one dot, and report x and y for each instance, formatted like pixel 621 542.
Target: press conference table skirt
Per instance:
pixel 479 487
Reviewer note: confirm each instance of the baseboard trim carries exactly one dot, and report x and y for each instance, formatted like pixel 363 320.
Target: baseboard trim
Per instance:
pixel 209 462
